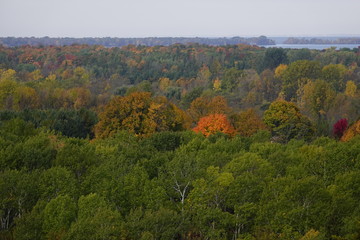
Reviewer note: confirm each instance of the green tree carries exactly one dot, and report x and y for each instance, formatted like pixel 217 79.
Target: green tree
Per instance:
pixel 231 79
pixel 56 181
pixel 274 57
pixel 95 220
pixel 76 155
pixel 286 121
pixel 59 213
pixel 335 74
pixel 294 75
pixel 319 97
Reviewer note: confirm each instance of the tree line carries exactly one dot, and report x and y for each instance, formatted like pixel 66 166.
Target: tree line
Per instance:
pixel 118 42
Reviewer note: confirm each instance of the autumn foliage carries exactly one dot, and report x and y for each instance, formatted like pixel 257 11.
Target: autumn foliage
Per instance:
pixel 340 127
pixel 351 132
pixel 141 114
pixel 204 106
pixel 214 123
pixel 247 123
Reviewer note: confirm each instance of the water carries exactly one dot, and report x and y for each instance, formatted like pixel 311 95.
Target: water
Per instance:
pixel 314 46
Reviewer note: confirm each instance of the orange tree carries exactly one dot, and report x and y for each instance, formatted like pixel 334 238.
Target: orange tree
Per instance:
pixel 141 114
pixel 351 132
pixel 214 123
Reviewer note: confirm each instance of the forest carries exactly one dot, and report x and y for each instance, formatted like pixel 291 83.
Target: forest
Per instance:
pixel 179 142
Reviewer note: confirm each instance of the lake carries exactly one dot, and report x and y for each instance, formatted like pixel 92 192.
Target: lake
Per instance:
pixel 314 46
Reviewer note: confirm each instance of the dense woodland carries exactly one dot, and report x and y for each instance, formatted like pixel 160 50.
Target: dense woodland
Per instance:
pixel 179 142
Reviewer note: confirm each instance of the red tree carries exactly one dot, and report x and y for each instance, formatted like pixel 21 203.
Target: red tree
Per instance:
pixel 339 127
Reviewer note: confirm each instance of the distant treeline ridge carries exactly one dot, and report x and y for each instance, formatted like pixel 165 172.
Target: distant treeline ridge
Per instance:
pixel 354 40
pixel 118 42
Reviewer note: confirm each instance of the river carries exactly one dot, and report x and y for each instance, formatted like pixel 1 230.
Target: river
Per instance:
pixel 313 46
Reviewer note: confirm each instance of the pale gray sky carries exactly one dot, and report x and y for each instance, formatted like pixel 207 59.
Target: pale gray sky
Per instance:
pixel 175 18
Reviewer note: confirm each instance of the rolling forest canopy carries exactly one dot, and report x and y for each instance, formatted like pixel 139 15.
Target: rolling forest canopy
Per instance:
pixel 179 142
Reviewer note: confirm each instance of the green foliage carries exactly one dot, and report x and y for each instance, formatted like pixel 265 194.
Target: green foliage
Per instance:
pixel 274 57
pixel 286 121
pixel 95 220
pixel 77 156
pixel 297 72
pixel 232 78
pixel 59 213
pixel 57 181
pixel 335 76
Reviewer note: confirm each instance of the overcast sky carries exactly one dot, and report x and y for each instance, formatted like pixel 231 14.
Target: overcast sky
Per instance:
pixel 177 18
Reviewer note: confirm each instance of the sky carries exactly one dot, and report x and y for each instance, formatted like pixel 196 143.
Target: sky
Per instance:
pixel 175 18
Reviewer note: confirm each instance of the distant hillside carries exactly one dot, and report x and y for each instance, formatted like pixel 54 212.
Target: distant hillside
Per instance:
pixel 118 42
pixel 351 40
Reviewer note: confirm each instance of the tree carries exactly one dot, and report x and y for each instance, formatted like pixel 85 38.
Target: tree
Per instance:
pixel 271 85
pixel 80 97
pixel 286 121
pixel 95 220
pixel 139 114
pixel 29 226
pixel 25 98
pixel 231 79
pixel 247 123
pixel 59 213
pixel 56 181
pixel 294 75
pixel 203 77
pixel 203 106
pixel 154 224
pixel 207 204
pixel 299 54
pixel 274 57
pixel 335 74
pixel 18 196
pixel 214 123
pixel 351 132
pixel 318 97
pixel 350 89
pixel 339 128
pixel 279 71
pixel 164 83
pixel 7 89
pixel 77 155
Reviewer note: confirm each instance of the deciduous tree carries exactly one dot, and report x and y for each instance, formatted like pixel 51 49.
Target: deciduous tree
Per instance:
pixel 247 123
pixel 140 114
pixel 214 123
pixel 286 121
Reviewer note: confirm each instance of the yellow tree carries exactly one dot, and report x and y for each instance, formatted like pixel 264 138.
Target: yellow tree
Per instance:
pixel 80 97
pixel 318 97
pixel 350 89
pixel 164 83
pixel 25 98
pixel 8 85
pixel 351 132
pixel 141 114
